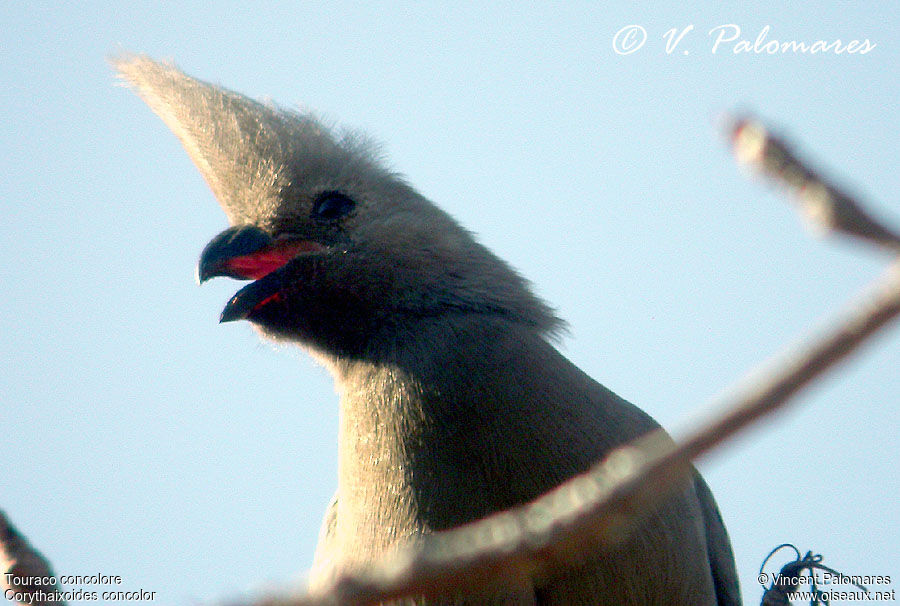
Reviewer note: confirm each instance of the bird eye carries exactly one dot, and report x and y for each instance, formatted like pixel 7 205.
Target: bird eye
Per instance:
pixel 331 205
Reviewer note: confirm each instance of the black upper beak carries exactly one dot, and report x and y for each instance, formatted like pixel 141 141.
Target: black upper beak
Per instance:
pixel 249 253
pixel 233 242
pixel 236 242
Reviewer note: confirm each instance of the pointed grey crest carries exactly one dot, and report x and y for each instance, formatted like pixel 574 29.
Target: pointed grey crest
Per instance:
pixel 247 151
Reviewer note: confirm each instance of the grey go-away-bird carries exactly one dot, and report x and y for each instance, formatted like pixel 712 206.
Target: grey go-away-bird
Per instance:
pixel 453 402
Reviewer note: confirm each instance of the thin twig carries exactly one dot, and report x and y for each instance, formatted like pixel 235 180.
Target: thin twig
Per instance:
pixel 597 509
pixel 824 204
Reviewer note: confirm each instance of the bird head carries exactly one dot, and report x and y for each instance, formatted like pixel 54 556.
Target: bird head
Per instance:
pixel 341 253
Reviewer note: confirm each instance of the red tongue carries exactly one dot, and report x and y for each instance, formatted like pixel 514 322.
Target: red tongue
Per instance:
pixel 263 262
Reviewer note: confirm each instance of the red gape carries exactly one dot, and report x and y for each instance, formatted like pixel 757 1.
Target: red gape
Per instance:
pixel 263 262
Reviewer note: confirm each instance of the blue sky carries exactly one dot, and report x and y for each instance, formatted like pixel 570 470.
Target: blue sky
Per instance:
pixel 143 439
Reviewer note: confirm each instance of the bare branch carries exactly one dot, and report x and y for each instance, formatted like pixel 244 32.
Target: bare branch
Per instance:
pixel 27 577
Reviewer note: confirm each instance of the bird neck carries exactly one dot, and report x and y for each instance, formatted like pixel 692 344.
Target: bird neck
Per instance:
pixel 448 428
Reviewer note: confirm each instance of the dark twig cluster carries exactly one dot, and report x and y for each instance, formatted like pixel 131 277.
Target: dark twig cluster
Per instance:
pixel 24 569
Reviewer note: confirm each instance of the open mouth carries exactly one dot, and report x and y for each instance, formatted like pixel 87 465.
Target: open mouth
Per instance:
pixel 249 253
